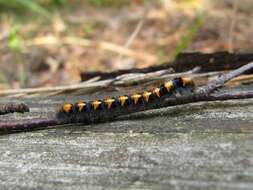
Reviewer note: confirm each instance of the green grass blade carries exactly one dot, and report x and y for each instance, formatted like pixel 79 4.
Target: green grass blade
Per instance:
pixel 34 7
pixel 186 40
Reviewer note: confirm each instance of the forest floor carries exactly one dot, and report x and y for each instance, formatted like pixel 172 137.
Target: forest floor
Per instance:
pixel 40 51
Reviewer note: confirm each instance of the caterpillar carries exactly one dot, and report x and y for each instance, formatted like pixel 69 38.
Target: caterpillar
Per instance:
pixel 108 108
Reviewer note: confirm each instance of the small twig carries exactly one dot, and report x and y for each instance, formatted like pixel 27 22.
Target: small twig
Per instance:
pixel 27 125
pixel 87 86
pixel 129 79
pixel 11 108
pixel 218 83
pixel 242 78
pixel 227 96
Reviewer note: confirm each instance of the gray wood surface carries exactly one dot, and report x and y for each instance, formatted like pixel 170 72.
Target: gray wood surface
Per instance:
pixel 195 146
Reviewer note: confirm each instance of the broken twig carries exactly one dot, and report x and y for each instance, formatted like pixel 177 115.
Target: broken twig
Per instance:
pixel 11 108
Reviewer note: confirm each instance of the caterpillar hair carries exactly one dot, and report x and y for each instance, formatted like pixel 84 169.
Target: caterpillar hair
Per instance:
pixel 109 108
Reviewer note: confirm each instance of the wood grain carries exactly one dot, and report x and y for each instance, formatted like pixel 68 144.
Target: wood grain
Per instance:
pixel 194 146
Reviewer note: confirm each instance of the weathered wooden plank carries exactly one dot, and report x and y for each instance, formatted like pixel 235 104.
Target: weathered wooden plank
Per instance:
pixel 196 146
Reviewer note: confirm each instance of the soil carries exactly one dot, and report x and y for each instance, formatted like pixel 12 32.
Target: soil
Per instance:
pixel 82 37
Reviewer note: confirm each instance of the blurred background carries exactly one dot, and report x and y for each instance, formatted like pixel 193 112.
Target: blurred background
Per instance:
pixel 50 42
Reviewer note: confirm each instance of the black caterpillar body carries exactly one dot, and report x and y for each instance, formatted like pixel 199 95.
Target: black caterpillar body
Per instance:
pixel 109 108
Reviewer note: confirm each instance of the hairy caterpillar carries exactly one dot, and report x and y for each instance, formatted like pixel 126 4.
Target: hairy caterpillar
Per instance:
pixel 108 108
